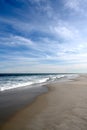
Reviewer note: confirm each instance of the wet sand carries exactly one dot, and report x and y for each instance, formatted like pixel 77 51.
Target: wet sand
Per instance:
pixel 12 101
pixel 64 107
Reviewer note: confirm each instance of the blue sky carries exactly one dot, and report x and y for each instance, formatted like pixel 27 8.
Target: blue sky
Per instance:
pixel 43 36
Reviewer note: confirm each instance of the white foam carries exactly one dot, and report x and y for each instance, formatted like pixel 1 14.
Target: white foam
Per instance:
pixel 15 86
pixel 18 82
pixel 42 80
pixel 18 85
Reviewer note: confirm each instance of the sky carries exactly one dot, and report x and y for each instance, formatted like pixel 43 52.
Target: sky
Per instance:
pixel 43 36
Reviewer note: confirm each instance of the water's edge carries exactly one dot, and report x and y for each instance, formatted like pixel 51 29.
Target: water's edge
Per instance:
pixel 14 101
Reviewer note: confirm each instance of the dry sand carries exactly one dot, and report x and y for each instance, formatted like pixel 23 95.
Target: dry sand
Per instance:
pixel 64 107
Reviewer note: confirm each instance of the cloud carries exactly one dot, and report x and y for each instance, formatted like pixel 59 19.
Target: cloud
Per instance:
pixel 42 35
pixel 43 7
pixel 44 68
pixel 64 30
pixel 19 40
pixel 51 56
pixel 45 50
pixel 56 28
pixel 76 5
pixel 73 4
pixel 15 41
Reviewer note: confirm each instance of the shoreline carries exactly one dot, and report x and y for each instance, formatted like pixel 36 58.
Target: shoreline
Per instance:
pixel 27 113
pixel 64 107
pixel 14 101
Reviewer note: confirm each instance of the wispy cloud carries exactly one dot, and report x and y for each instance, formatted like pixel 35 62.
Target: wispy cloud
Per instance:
pixel 76 5
pixel 43 35
pixel 38 51
pixel 64 31
pixel 73 4
pixel 15 41
pixel 43 6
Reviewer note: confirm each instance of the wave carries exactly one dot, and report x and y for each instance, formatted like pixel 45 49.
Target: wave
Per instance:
pixel 13 86
pixel 8 83
pixel 18 85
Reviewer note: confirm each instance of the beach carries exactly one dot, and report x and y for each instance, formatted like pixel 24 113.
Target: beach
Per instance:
pixel 63 107
pixel 13 101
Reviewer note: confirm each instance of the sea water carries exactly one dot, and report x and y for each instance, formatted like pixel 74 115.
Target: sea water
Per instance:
pixel 14 81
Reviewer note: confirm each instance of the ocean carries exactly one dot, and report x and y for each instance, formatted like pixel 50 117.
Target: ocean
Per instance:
pixel 15 81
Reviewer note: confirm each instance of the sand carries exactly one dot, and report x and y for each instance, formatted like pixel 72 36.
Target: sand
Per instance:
pixel 64 107
pixel 12 101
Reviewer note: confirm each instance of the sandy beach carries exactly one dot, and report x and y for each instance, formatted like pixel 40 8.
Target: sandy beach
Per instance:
pixel 64 107
pixel 13 101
